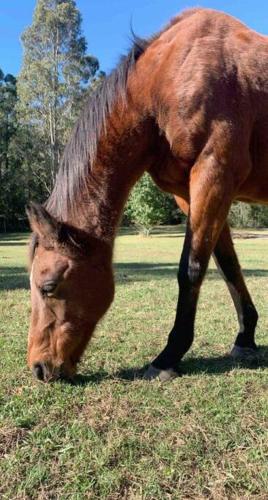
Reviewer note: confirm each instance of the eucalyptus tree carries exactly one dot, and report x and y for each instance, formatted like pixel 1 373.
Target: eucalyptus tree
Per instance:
pixel 55 74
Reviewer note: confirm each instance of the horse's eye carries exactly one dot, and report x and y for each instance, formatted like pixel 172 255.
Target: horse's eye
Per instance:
pixel 48 288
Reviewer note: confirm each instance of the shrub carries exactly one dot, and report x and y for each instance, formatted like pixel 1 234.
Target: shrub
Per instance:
pixel 148 206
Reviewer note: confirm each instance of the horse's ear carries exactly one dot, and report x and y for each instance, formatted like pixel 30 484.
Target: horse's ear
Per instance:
pixel 42 223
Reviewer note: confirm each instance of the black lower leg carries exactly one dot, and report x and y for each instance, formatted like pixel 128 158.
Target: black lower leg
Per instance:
pixel 228 263
pixel 246 337
pixel 182 334
pixel 191 273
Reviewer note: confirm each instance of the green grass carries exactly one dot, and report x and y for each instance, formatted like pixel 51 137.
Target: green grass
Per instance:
pixel 115 436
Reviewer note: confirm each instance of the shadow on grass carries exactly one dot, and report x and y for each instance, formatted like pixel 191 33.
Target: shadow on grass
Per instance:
pixel 14 239
pixel 224 364
pixel 190 366
pixel 166 231
pixel 13 243
pixel 213 274
pixel 12 278
pixel 145 271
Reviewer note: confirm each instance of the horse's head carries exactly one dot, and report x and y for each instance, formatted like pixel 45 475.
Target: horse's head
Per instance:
pixel 71 288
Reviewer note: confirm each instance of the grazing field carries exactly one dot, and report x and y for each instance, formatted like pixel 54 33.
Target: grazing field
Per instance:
pixel 113 435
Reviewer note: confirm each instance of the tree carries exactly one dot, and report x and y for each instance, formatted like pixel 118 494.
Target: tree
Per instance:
pixel 148 206
pixel 15 143
pixel 8 98
pixel 8 130
pixel 246 215
pixel 54 75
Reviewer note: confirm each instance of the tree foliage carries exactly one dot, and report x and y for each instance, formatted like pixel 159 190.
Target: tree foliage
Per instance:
pixel 20 171
pixel 8 128
pixel 54 75
pixel 8 99
pixel 38 110
pixel 245 215
pixel 148 206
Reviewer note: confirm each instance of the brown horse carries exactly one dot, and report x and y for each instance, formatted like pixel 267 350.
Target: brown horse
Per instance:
pixel 190 106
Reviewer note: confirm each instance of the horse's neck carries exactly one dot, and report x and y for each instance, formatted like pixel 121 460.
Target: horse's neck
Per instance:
pixel 124 152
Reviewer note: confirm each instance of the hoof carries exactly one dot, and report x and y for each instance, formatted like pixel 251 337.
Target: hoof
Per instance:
pixel 162 375
pixel 238 352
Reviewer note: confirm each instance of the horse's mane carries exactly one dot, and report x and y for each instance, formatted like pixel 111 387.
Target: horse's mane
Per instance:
pixel 80 152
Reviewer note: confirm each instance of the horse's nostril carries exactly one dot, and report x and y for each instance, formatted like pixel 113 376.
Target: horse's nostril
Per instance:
pixel 39 371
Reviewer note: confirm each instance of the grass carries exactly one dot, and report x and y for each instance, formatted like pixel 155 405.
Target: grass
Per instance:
pixel 113 435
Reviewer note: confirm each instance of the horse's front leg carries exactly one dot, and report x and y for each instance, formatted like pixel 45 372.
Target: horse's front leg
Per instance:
pixel 211 194
pixel 228 264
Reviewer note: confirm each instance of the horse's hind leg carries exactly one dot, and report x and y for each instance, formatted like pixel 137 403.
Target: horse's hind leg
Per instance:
pixel 211 194
pixel 228 264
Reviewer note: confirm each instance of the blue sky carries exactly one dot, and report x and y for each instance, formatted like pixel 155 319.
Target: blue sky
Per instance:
pixel 106 23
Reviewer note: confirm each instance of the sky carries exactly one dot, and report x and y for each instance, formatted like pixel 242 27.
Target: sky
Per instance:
pixel 106 23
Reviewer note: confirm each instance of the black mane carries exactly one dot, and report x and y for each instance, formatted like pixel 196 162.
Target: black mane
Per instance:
pixel 79 153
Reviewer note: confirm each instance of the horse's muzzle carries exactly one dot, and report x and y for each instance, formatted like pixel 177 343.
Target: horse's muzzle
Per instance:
pixel 43 372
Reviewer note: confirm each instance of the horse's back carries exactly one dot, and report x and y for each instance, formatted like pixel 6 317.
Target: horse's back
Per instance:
pixel 205 79
pixel 204 65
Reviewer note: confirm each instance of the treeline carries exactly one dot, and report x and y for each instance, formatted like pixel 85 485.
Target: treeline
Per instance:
pixel 246 215
pixel 38 110
pixel 148 206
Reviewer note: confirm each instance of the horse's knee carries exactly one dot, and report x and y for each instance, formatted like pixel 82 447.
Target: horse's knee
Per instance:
pixel 190 273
